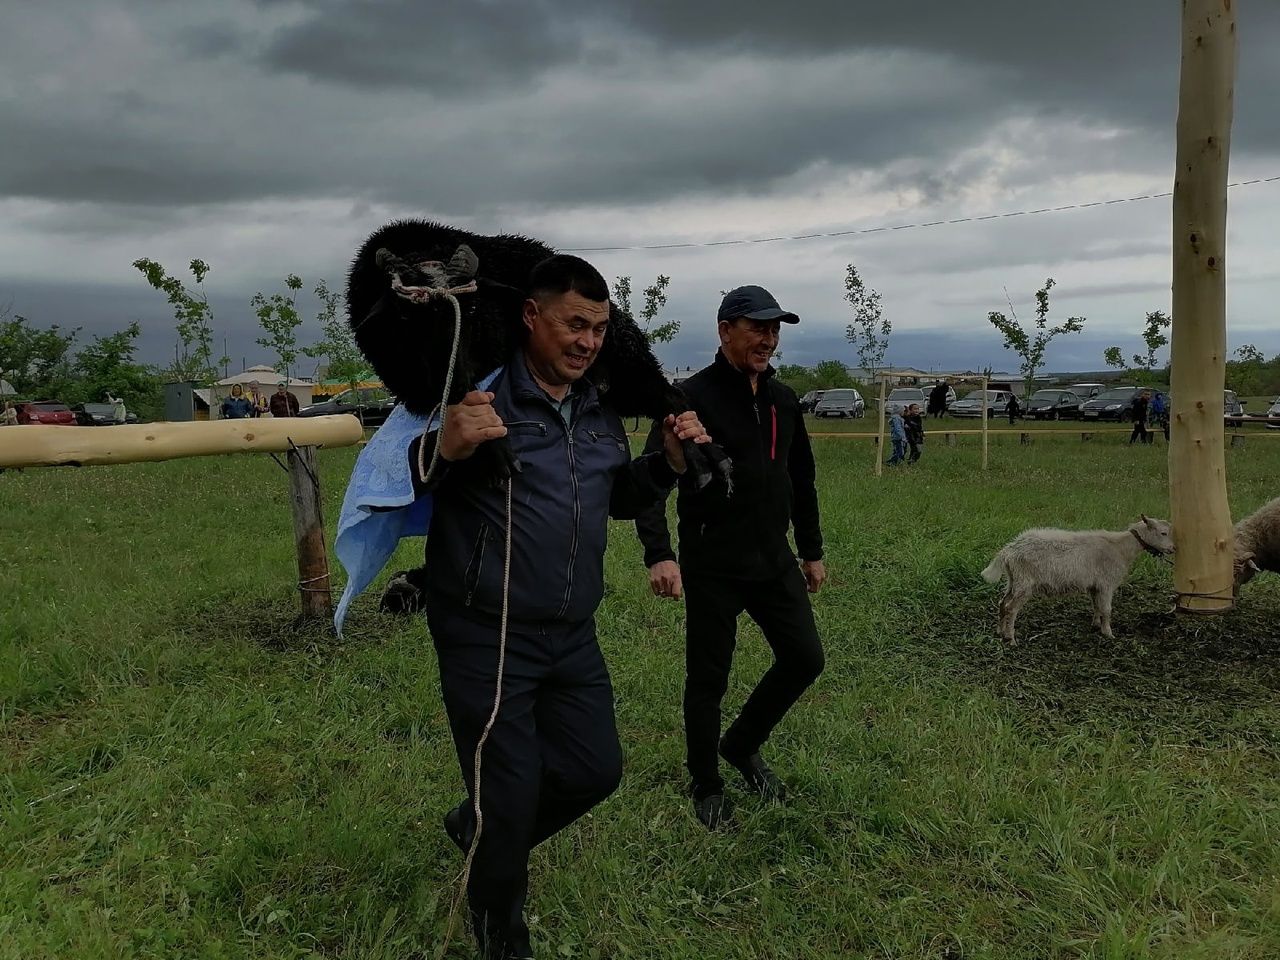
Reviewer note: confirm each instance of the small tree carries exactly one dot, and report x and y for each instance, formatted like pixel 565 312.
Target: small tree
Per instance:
pixel 338 344
pixel 1030 345
pixel 107 366
pixel 194 316
pixel 278 316
pixel 36 362
pixel 655 298
pixel 1154 336
pixel 869 332
pixel 1245 372
pixel 830 375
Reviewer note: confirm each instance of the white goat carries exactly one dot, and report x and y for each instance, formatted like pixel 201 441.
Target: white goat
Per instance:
pixel 1258 543
pixel 1073 561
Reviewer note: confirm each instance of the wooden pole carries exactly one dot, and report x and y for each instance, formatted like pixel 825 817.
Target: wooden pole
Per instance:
pixel 985 421
pixel 308 535
pixel 49 446
pixel 1201 517
pixel 880 436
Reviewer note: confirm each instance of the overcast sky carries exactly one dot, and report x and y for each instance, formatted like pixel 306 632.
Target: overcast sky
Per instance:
pixel 272 137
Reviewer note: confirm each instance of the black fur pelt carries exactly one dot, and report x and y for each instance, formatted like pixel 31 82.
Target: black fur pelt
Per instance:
pixel 409 343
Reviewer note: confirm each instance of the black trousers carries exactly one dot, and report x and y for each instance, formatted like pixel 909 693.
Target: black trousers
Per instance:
pixel 552 755
pixel 1140 432
pixel 915 451
pixel 712 605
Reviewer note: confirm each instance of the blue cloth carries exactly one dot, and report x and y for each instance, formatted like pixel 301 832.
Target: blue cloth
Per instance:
pixel 897 429
pixel 379 508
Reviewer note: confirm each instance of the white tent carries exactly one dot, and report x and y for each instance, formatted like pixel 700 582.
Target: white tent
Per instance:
pixel 267 378
pixel 6 389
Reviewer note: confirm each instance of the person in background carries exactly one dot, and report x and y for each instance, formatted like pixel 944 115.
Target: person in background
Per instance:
pixel 1160 413
pixel 9 417
pixel 1141 407
pixel 914 425
pixel 257 399
pixel 897 434
pixel 283 403
pixel 938 399
pixel 1015 409
pixel 237 406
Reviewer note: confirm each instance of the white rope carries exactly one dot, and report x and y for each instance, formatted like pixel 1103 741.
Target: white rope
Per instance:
pixel 422 295
pixel 426 475
pixel 484 736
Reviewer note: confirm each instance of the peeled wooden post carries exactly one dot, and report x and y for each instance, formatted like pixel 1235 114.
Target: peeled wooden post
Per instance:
pixel 1203 563
pixel 985 418
pixel 308 535
pixel 880 437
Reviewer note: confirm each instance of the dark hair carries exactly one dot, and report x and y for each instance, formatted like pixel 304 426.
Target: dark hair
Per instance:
pixel 563 272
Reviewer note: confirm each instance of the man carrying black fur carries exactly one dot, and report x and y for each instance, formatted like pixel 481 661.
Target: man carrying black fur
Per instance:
pixel 734 554
pixel 552 753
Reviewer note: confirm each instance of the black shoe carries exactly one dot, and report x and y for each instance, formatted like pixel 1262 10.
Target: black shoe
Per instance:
pixel 756 774
pixel 713 809
pixel 457 824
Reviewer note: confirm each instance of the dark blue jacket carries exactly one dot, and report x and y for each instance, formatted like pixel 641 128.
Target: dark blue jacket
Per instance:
pixel 573 479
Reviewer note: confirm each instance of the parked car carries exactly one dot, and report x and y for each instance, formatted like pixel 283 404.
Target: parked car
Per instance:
pixel 1113 404
pixel 1087 391
pixel 100 415
pixel 1232 409
pixel 45 412
pixel 810 400
pixel 1052 405
pixel 971 405
pixel 902 397
pixel 373 406
pixel 1273 415
pixel 841 403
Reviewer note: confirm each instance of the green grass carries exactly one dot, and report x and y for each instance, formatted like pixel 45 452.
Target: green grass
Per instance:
pixel 185 774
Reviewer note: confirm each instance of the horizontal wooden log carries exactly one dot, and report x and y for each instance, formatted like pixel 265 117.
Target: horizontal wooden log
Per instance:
pixel 50 446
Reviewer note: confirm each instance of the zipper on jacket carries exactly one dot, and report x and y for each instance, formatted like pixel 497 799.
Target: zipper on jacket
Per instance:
pixel 476 563
pixel 542 427
pixel 577 512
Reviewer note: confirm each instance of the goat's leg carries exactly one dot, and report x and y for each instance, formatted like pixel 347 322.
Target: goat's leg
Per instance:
pixel 1104 611
pixel 1014 600
pixel 1095 597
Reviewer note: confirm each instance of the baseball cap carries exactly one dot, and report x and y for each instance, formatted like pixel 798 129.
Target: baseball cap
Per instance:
pixel 754 303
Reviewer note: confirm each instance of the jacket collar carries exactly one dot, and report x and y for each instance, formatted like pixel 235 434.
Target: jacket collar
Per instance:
pixel 524 386
pixel 725 369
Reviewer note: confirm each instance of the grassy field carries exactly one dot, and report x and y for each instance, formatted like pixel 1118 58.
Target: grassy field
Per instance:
pixel 184 774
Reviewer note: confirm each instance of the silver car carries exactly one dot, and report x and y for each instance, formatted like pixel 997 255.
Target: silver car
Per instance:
pixel 902 397
pixel 971 405
pixel 1273 415
pixel 840 403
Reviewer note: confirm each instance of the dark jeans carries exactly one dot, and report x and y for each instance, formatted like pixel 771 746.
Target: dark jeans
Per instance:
pixel 552 755
pixel 899 451
pixel 915 452
pixel 1140 432
pixel 712 605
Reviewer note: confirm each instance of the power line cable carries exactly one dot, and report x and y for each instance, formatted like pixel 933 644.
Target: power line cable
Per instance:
pixel 887 228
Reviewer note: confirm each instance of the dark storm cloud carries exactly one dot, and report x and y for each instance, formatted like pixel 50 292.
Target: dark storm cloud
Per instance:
pixel 458 48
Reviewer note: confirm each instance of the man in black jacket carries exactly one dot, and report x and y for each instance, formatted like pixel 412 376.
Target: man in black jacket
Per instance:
pixel 553 751
pixel 734 554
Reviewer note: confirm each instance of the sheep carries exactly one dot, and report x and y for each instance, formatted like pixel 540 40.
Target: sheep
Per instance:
pixel 1258 543
pixel 1070 561
pixel 408 342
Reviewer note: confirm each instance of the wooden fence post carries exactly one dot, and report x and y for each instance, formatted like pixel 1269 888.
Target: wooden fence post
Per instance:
pixel 308 534
pixel 1203 564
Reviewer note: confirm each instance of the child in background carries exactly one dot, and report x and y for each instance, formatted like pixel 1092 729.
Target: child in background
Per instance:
pixel 914 425
pixel 898 434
